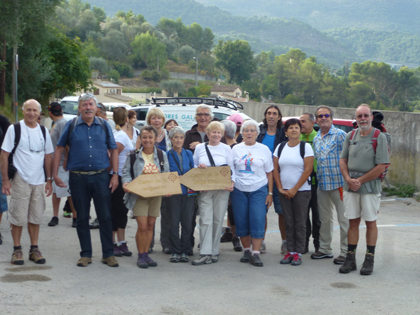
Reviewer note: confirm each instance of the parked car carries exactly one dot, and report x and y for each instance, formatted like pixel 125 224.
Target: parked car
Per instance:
pixel 344 124
pixel 111 106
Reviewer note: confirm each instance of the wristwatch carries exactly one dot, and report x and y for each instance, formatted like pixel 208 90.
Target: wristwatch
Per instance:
pixel 270 193
pixel 115 173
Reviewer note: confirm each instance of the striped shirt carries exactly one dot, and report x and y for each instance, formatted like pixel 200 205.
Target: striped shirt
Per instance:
pixel 327 152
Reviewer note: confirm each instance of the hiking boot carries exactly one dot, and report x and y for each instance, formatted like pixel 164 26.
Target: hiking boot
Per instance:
pixel 297 260
pixel 263 248
pixel 287 259
pixel 94 224
pixel 110 261
pixel 367 267
pixel 53 222
pixel 202 260
pixel 117 251
pixel 255 260
pixel 320 255
pixel 36 256
pixel 227 236
pixel 124 250
pixel 150 261
pixel 245 258
pixel 214 258
pixel 349 263
pixel 84 261
pixel 236 244
pixel 283 248
pixel 174 258
pixel 67 214
pixel 339 260
pixel 17 257
pixel 141 262
pixel 184 258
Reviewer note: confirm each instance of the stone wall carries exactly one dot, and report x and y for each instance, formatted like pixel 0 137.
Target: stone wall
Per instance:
pixel 404 129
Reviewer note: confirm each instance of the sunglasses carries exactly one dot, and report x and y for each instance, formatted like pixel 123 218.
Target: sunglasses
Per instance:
pixel 322 116
pixel 363 116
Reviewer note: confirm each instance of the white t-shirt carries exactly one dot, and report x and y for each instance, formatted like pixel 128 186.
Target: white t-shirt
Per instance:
pixel 121 137
pixel 252 163
pixel 136 133
pixel 111 123
pixel 30 152
pixel 292 165
pixel 221 153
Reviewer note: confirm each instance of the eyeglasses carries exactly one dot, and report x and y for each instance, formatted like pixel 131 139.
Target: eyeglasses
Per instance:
pixel 363 116
pixel 250 130
pixel 202 114
pixel 322 116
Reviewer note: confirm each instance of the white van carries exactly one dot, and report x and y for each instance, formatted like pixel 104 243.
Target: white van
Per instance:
pixel 182 109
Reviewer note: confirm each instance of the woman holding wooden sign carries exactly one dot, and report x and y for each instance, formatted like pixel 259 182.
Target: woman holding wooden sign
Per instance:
pixel 212 204
pixel 148 160
pixel 181 207
pixel 251 198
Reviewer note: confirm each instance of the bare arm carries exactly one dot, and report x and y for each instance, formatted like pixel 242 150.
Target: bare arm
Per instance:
pixel 113 184
pixel 4 158
pixel 48 170
pixel 269 198
pixel 276 175
pixel 56 164
pixel 373 173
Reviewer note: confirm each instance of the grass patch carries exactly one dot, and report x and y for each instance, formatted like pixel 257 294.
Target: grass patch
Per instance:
pixel 401 190
pixel 141 90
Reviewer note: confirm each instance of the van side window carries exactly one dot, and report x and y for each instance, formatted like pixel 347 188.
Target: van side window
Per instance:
pixel 221 116
pixel 141 114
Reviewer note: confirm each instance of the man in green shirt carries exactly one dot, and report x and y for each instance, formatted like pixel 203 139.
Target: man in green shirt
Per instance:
pixel 362 161
pixel 308 134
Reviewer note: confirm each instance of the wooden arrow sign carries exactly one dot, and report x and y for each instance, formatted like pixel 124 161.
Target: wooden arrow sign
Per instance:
pixel 210 178
pixel 154 185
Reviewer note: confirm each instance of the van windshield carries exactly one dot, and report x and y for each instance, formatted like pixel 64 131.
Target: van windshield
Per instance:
pixel 70 107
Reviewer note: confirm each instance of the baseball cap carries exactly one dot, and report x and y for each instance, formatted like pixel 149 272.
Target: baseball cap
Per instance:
pixel 55 109
pixel 236 118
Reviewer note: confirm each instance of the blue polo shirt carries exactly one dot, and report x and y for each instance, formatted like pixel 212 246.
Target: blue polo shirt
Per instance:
pixel 88 145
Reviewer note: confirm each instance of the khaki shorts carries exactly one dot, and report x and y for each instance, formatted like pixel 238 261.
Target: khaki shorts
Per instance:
pixel 147 207
pixel 27 203
pixel 365 206
pixel 62 191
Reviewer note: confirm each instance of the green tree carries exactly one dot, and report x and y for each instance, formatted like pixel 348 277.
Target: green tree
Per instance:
pixel 98 64
pixel 148 49
pixel 186 53
pixel 172 86
pixel 114 46
pixel 236 58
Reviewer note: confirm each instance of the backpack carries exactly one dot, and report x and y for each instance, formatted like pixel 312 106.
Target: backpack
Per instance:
pixel 302 154
pixel 133 159
pixel 375 145
pixel 12 169
pixel 73 125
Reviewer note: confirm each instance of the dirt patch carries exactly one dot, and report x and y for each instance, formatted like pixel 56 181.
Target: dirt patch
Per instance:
pixel 12 278
pixel 28 268
pixel 343 285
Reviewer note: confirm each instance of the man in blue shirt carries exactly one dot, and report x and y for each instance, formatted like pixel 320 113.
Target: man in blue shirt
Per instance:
pixel 89 139
pixel 328 145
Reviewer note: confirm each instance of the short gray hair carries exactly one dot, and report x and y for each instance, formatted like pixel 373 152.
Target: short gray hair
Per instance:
pixel 252 123
pixel 311 117
pixel 230 128
pixel 326 107
pixel 30 100
pixel 87 96
pixel 175 130
pixel 205 107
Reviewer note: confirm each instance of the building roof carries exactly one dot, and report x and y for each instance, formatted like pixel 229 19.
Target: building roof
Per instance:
pixel 225 88
pixel 107 84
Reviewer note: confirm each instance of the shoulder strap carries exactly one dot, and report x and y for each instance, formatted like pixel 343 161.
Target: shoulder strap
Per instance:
pixel 160 157
pixel 209 155
pixel 302 149
pixel 101 122
pixel 375 139
pixel 71 129
pixel 17 137
pixel 281 147
pixel 176 161
pixel 132 160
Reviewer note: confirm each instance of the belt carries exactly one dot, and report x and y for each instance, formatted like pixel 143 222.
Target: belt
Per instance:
pixel 89 172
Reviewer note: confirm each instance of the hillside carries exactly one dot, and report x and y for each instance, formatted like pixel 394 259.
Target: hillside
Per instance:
pixel 264 33
pixel 386 15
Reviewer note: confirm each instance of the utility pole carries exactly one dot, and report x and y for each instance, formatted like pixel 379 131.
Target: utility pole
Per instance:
pixel 14 82
pixel 196 70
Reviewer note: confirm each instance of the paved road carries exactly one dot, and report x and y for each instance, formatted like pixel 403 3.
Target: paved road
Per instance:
pixel 228 287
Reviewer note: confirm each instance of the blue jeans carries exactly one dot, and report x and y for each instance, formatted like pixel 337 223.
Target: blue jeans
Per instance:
pixel 276 200
pixel 249 210
pixel 3 198
pixel 83 188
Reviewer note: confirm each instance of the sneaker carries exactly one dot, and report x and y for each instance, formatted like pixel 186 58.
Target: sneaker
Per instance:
pixel 184 258
pixel 17 257
pixel 297 260
pixel 283 249
pixel 141 262
pixel 245 258
pixel 339 260
pixel 236 244
pixel 124 250
pixel 84 261
pixel 36 256
pixel 53 222
pixel 174 258
pixel 367 267
pixel 255 260
pixel 263 248
pixel 117 251
pixel 287 259
pixel 94 224
pixel 214 258
pixel 67 214
pixel 227 236
pixel 150 262
pixel 110 261
pixel 167 250
pixel 349 264
pixel 320 255
pixel 202 260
